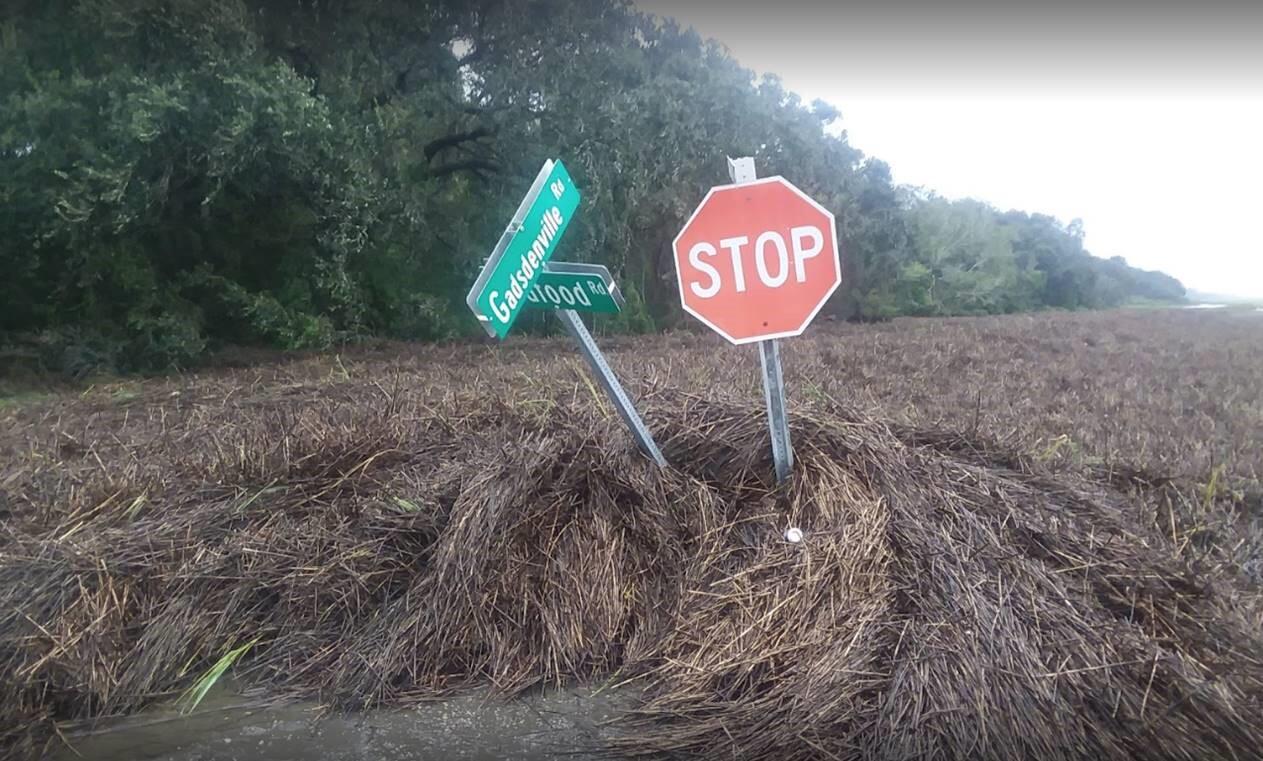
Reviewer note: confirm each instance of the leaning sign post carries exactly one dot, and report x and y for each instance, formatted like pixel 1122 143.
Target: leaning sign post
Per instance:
pixel 756 262
pixel 519 274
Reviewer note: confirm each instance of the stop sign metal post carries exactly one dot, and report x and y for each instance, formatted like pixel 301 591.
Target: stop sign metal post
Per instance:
pixel 756 262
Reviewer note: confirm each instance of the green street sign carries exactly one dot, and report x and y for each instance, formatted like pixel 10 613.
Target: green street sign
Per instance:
pixel 581 287
pixel 500 292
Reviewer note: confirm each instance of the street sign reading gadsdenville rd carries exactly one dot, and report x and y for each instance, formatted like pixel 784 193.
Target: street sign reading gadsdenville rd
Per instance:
pixel 518 259
pixel 757 260
pixel 581 287
pixel 508 283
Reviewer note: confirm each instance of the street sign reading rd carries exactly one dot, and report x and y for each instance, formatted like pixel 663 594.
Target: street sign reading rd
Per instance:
pixel 518 264
pixel 501 290
pixel 581 287
pixel 757 260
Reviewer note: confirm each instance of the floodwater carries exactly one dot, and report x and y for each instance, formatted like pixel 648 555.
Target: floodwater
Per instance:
pixel 559 725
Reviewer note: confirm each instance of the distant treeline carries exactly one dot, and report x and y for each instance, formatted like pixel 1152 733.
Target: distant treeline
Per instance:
pixel 181 174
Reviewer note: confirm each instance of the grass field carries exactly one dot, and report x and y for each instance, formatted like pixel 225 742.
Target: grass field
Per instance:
pixel 398 523
pixel 1173 391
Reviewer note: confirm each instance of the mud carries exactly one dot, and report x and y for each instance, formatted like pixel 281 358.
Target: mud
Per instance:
pixel 558 725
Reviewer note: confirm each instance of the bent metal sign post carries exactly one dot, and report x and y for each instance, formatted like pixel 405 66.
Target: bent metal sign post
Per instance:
pixel 518 274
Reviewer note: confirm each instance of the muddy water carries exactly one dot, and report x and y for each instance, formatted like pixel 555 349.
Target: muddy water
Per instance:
pixel 561 725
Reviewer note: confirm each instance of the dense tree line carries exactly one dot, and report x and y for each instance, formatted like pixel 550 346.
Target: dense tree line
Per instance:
pixel 177 174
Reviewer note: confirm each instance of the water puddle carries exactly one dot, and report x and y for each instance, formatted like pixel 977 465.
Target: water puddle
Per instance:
pixel 559 725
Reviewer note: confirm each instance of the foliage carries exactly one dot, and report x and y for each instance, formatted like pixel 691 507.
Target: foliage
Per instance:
pixel 961 261
pixel 191 698
pixel 176 175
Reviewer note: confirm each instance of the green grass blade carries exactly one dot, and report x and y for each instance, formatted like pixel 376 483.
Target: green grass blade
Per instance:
pixel 192 697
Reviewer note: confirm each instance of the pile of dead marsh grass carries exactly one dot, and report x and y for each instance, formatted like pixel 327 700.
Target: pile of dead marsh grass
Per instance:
pixel 942 604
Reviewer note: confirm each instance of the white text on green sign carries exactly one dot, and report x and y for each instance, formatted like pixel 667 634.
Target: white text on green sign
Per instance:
pixel 501 290
pixel 581 287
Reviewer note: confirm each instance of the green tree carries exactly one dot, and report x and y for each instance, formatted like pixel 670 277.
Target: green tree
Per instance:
pixel 176 174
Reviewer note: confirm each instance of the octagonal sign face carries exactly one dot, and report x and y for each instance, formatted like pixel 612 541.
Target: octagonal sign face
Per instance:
pixel 757 260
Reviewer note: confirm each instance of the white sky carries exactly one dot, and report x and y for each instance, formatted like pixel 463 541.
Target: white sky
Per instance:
pixel 1151 134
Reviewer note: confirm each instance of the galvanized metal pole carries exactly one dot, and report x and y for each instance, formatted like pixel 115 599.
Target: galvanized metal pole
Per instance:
pixel 777 420
pixel 742 170
pixel 605 375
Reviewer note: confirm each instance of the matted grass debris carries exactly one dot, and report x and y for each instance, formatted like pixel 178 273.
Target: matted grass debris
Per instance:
pixel 379 546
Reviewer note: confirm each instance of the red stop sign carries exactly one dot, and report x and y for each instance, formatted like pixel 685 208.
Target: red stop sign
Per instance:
pixel 757 260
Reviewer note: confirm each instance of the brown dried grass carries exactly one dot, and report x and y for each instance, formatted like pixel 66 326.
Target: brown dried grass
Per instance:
pixel 401 530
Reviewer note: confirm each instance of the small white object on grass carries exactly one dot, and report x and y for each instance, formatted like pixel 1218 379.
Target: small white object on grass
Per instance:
pixel 793 535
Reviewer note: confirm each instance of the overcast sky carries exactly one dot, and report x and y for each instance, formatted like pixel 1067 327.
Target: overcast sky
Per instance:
pixel 1145 120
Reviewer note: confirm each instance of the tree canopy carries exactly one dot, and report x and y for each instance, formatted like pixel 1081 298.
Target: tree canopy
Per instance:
pixel 181 174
